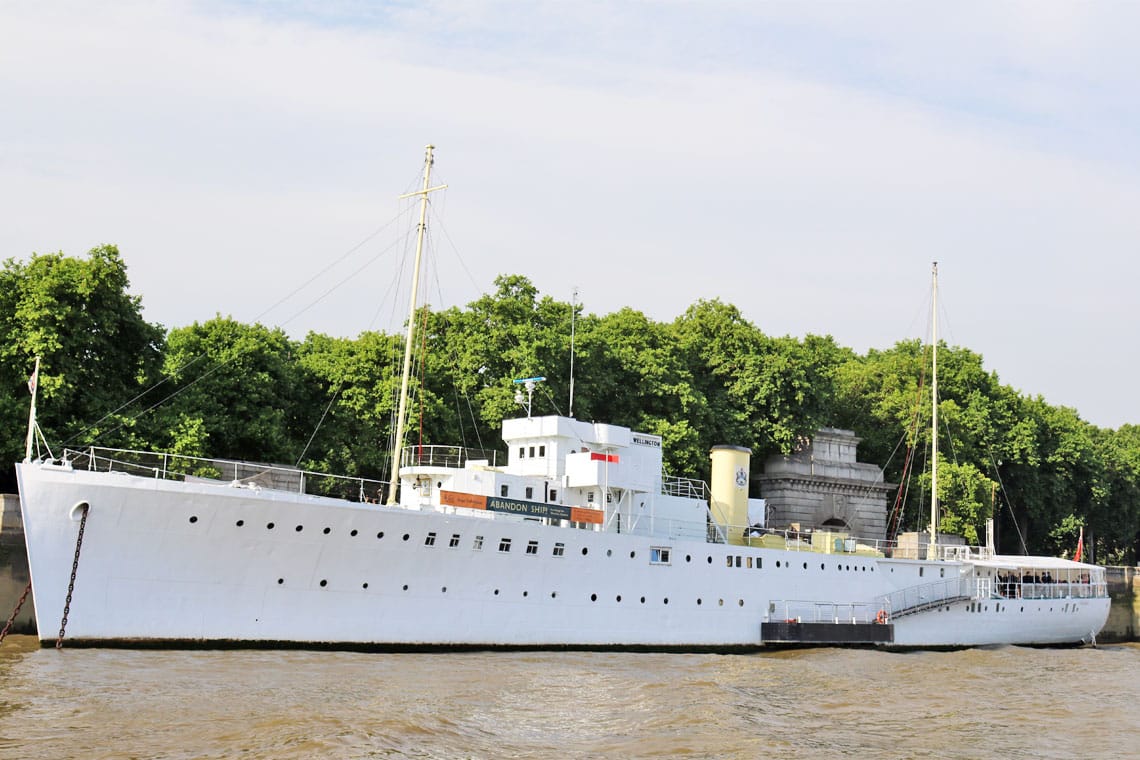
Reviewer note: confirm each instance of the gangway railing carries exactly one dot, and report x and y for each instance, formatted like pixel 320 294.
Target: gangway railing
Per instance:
pixel 908 601
pixel 804 611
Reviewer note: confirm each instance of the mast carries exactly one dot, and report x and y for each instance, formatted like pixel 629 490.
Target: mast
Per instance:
pixel 573 309
pixel 934 414
pixel 402 414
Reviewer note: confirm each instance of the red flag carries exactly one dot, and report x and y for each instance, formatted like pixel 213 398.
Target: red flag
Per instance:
pixel 1080 546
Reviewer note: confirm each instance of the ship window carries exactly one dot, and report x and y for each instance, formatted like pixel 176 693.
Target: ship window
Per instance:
pixel 728 562
pixel 920 572
pixel 478 545
pixel 609 497
pixel 553 495
pixel 531 452
pixel 559 549
pixel 738 561
pixel 589 497
pixel 542 451
pixel 522 452
pixel 748 563
pixel 659 555
pixel 504 544
pixel 759 562
pixel 530 492
pixel 503 490
pixel 532 547
pixel 454 542
pixel 430 540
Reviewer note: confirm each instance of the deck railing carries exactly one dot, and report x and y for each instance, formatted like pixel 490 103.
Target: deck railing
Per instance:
pixel 236 472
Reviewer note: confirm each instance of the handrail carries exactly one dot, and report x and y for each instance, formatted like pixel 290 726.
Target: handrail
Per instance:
pixel 166 466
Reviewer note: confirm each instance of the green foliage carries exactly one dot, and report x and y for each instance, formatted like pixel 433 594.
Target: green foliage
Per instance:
pixel 709 377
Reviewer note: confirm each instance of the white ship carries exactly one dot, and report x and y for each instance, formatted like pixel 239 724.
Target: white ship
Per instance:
pixel 577 540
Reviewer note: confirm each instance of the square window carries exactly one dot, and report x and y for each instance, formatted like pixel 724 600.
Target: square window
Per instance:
pixel 478 545
pixel 430 540
pixel 559 549
pixel 504 544
pixel 454 540
pixel 532 547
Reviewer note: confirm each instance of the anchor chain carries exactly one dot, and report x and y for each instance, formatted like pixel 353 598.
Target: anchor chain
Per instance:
pixel 71 584
pixel 15 612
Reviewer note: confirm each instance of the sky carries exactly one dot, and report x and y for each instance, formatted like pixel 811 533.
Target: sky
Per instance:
pixel 805 162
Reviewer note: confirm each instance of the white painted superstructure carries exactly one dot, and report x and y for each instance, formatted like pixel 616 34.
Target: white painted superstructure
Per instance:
pixel 613 555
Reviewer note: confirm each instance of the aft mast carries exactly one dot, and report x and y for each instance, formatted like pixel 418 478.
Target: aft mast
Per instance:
pixel 934 416
pixel 402 414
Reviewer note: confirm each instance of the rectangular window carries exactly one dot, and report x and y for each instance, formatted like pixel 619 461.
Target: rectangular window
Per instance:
pixel 542 451
pixel 503 490
pixel 553 495
pixel 729 563
pixel 559 549
pixel 529 492
pixel 659 555
pixel 532 547
pixel 738 561
pixel 748 563
pixel 609 497
pixel 590 497
pixel 504 544
pixel 454 540
pixel 532 451
pixel 478 545
pixel 522 452
pixel 430 540
pixel 759 563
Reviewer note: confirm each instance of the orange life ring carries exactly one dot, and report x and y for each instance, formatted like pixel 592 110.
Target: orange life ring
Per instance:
pixel 881 618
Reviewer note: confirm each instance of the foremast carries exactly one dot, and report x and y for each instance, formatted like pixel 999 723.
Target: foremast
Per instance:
pixel 934 415
pixel 402 414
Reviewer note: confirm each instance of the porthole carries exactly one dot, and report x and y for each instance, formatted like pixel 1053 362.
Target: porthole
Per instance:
pixel 496 592
pixel 282 580
pixel 777 563
pixel 666 600
pixel 364 585
pixel 193 519
pixel 380 534
pixel 739 602
pixel 632 555
pixel 324 583
pixel 593 597
pixel 405 587
pixel 699 602
pixel 643 600
pixel 269 526
pixel 820 565
pixel 299 528
pixel 619 597
pixel 526 594
pixel 352 532
pixel 719 602
pixel 406 536
pixel 240 523
pixel 688 558
pixel 553 594
pixel 805 566
pixel 609 552
pixel 710 559
pixel 443 590
pixel 326 531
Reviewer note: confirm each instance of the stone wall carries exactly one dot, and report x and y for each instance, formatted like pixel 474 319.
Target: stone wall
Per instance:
pixel 824 486
pixel 1124 616
pixel 14 567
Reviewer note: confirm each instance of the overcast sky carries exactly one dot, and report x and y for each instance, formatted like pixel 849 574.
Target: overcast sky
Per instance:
pixel 803 161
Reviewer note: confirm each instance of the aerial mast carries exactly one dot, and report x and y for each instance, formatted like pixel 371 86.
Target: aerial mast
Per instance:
pixel 934 415
pixel 402 414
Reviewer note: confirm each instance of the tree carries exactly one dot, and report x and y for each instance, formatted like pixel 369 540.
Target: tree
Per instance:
pixel 97 352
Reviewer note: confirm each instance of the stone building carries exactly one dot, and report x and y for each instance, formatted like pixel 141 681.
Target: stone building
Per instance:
pixel 822 486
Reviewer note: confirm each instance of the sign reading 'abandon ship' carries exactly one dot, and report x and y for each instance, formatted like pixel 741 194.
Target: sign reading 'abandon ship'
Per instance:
pixel 520 507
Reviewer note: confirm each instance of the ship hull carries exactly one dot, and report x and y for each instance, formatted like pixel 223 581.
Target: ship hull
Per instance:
pixel 178 563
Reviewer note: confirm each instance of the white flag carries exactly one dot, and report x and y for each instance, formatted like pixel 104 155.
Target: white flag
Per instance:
pixel 34 380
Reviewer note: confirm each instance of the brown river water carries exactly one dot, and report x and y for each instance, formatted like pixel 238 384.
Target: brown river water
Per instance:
pixel 1006 702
